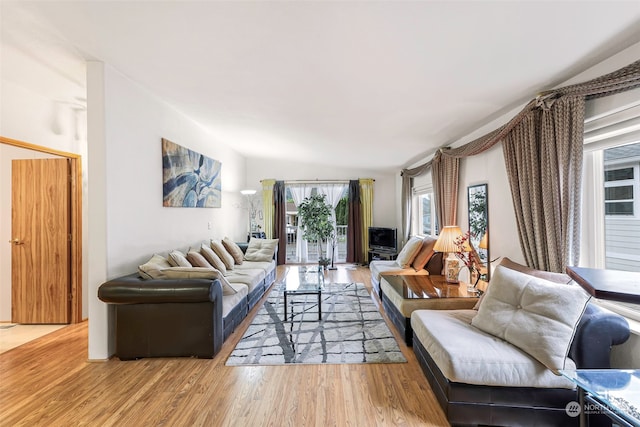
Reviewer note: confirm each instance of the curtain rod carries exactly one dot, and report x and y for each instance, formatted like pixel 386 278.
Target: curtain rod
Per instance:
pixel 318 181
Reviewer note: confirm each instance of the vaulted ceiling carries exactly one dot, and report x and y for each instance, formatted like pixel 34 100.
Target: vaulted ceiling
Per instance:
pixel 374 85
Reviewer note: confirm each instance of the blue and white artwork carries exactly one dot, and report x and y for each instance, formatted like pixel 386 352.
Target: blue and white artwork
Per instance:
pixel 189 179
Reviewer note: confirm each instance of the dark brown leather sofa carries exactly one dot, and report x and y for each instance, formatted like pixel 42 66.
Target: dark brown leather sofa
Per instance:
pixel 162 318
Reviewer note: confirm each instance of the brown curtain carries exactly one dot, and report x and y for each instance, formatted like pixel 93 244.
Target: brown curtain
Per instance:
pixel 444 172
pixel 280 220
pixel 407 199
pixel 354 224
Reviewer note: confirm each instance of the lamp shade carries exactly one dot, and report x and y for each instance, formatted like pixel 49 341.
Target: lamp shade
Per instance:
pixel 447 240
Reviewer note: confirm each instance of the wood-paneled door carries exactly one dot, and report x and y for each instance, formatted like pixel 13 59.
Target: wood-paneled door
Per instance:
pixel 41 241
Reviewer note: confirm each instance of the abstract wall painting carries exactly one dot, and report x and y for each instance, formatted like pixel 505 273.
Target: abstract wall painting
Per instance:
pixel 189 179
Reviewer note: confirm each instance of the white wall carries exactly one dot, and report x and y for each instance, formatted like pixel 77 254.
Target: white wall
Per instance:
pixel 126 124
pixel 384 197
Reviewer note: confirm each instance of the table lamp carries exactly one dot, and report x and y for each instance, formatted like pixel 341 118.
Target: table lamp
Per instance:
pixel 446 243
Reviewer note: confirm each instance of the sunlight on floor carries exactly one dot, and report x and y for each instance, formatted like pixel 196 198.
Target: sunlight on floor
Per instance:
pixel 13 335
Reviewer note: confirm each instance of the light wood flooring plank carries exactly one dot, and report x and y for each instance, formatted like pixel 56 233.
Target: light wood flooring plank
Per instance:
pixel 49 382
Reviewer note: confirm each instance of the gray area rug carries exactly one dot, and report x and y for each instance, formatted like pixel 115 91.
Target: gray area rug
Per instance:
pixel 351 330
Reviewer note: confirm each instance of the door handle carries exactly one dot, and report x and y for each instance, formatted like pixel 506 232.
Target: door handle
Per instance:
pixel 16 242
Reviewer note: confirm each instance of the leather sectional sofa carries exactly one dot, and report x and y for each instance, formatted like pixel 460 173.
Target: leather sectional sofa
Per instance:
pixel 181 315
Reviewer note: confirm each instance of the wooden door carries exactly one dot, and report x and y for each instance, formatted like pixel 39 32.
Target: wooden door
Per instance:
pixel 40 227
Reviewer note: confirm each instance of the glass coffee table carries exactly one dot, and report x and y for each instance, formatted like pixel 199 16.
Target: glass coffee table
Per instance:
pixel 612 392
pixel 303 281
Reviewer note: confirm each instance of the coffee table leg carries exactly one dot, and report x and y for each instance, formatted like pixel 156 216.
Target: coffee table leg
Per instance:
pixel 285 306
pixel 319 305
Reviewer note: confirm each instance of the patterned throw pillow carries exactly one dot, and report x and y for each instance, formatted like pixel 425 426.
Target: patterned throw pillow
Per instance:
pixel 233 248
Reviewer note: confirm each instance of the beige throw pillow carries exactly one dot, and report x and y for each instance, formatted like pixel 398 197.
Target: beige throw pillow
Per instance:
pixel 233 248
pixel 533 314
pixel 196 259
pixel 409 252
pixel 178 259
pixel 213 258
pixel 261 250
pixel 222 252
pixel 151 269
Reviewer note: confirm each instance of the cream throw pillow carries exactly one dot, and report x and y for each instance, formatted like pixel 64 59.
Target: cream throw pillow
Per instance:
pixel 222 252
pixel 196 259
pixel 261 249
pixel 151 268
pixel 409 252
pixel 533 314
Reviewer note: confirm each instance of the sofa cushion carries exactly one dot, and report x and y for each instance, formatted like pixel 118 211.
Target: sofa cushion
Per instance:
pixel 196 259
pixel 465 354
pixel 229 302
pixel 178 259
pixel 535 315
pixel 152 267
pixel 213 258
pixel 265 266
pixel 222 252
pixel 261 249
pixel 197 273
pixel 547 275
pixel 380 267
pixel 233 248
pixel 424 254
pixel 409 252
pixel 250 277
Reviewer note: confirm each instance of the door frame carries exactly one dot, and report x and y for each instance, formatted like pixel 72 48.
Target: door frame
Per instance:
pixel 75 258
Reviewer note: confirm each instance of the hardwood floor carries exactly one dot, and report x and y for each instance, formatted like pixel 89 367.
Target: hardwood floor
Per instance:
pixel 49 382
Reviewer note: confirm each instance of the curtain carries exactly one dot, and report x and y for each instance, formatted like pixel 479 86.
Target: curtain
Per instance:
pixel 444 172
pixel 546 131
pixel 543 155
pixel 333 194
pixel 299 192
pixel 280 220
pixel 407 197
pixel 267 206
pixel 354 225
pixel 366 199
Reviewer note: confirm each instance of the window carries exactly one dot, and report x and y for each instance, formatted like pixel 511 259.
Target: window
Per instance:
pixel 424 218
pixel 611 189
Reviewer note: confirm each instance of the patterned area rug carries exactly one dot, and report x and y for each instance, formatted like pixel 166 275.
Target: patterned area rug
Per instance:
pixel 351 330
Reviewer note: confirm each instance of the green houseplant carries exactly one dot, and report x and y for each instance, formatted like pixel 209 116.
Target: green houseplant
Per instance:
pixel 315 220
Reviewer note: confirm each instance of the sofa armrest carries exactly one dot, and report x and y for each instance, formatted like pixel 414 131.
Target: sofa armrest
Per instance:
pixel 598 330
pixel 133 289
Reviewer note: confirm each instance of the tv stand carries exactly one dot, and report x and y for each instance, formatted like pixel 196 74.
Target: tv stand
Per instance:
pixel 389 254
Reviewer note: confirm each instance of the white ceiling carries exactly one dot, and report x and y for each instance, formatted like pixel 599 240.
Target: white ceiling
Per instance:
pixel 375 85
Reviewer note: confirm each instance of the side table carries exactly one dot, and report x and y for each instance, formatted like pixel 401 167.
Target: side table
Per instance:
pixel 611 392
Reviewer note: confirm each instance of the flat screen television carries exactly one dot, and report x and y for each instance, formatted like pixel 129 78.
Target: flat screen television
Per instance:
pixel 382 239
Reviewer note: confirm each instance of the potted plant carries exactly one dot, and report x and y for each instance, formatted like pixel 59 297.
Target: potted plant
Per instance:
pixel 315 220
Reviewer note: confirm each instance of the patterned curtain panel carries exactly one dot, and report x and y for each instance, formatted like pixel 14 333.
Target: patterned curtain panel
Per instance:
pixel 407 200
pixel 354 224
pixel 444 172
pixel 267 206
pixel 366 203
pixel 280 220
pixel 543 155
